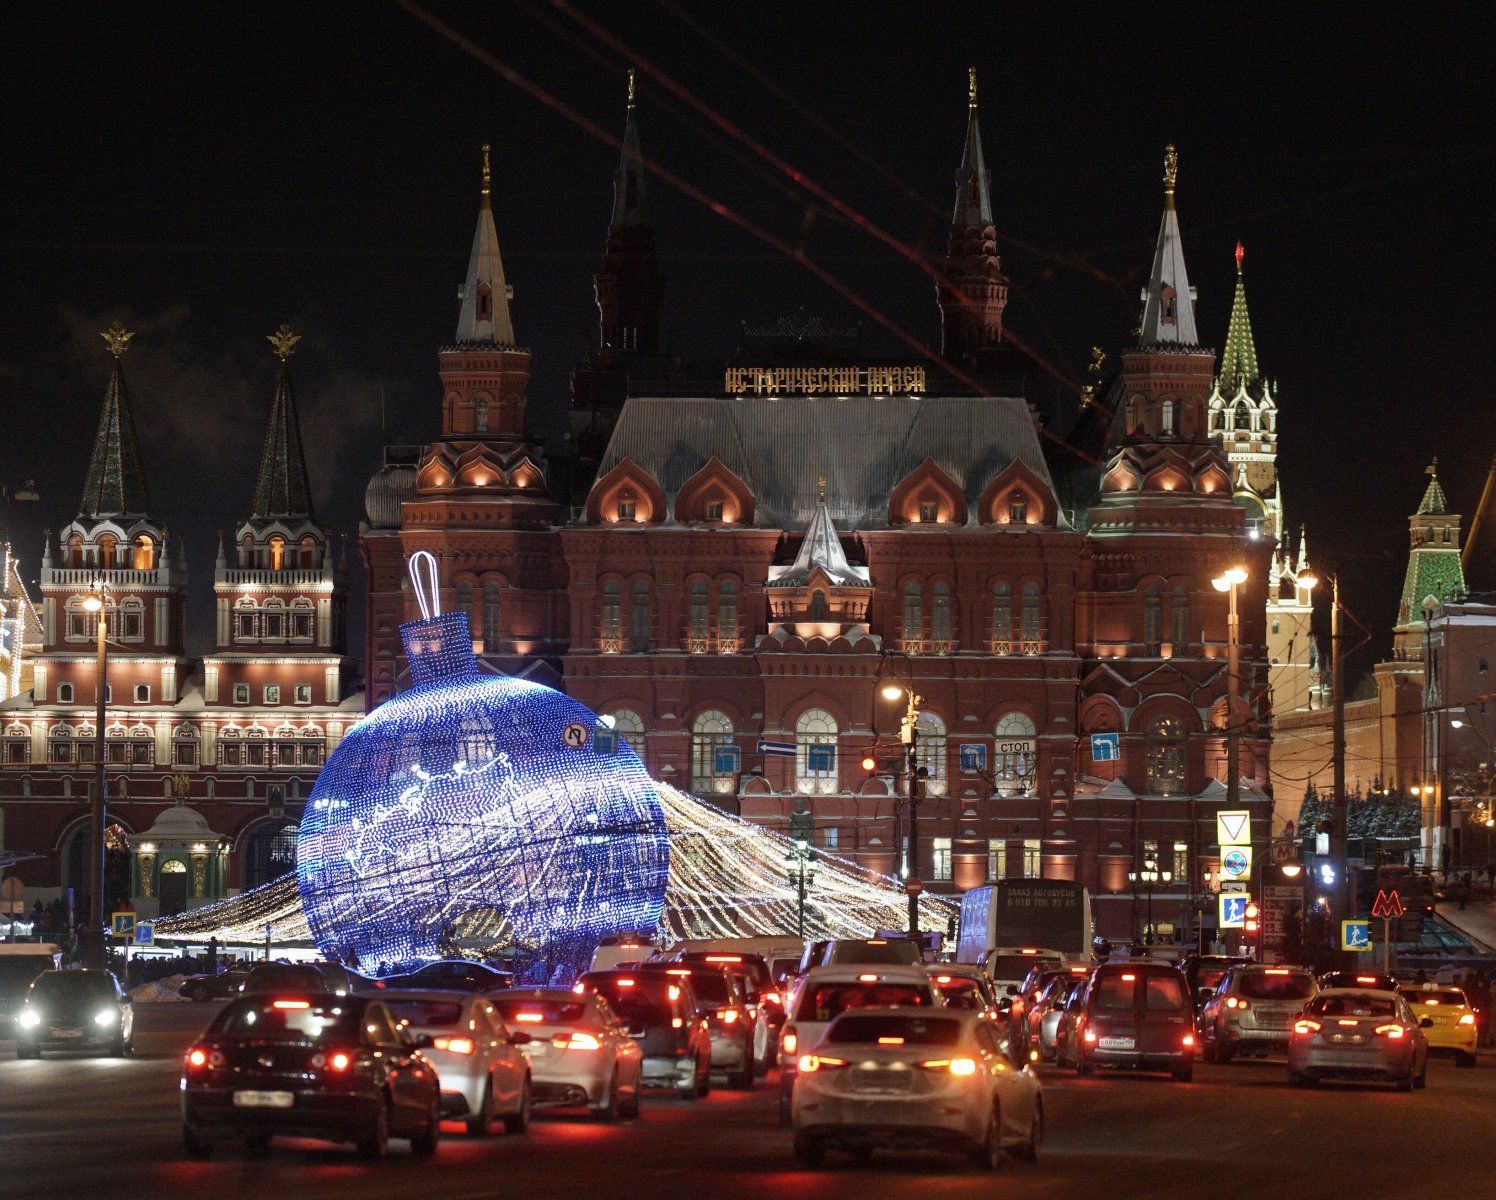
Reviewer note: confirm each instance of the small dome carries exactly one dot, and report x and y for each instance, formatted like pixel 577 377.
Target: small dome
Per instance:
pixel 180 824
pixel 391 485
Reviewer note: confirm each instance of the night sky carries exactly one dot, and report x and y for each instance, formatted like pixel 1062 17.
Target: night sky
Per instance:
pixel 204 172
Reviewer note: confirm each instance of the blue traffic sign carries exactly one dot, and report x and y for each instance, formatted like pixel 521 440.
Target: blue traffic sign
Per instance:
pixel 145 933
pixel 727 760
pixel 1106 747
pixel 782 749
pixel 605 741
pixel 820 758
pixel 1233 910
pixel 973 757
pixel 1355 935
pixel 122 924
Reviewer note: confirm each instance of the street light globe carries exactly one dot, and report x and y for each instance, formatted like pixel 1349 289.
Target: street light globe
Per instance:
pixel 892 691
pixel 1292 869
pixel 93 604
pixel 1231 575
pixel 1307 579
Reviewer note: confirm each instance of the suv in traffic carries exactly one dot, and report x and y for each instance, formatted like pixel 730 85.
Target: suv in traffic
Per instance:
pixel 1135 1014
pixel 1253 1010
pixel 662 1014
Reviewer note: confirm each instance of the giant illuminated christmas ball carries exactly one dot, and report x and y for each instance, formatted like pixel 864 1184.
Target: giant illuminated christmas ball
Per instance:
pixel 479 816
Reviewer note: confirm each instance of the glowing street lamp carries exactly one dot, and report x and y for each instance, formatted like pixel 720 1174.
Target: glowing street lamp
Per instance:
pixel 909 734
pixel 98 603
pixel 1229 581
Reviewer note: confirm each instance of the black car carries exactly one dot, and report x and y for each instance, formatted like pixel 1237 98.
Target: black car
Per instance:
pixel 454 975
pixel 214 987
pixel 765 1000
pixel 1377 980
pixel 720 998
pixel 661 1013
pixel 283 977
pixel 309 1064
pixel 75 1010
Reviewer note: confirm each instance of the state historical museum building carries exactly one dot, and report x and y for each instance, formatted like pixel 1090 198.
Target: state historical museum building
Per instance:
pixel 756 558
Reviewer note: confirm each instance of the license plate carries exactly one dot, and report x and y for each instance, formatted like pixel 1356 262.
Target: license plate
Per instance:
pixel 263 1099
pixel 1352 1039
pixel 884 1082
pixel 1117 1043
pixel 67 1033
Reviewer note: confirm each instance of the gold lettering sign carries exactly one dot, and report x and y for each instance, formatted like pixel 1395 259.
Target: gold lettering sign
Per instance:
pixel 824 381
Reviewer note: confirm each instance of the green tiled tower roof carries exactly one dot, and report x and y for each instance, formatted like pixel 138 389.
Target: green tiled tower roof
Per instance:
pixel 1239 359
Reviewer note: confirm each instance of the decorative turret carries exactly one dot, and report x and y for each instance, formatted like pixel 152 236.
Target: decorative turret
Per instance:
pixel 484 317
pixel 1239 359
pixel 115 485
pixel 821 592
pixel 1169 300
pixel 629 286
pixel 1434 573
pixel 972 290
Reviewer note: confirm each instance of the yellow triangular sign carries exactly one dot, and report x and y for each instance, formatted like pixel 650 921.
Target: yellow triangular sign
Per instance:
pixel 1234 827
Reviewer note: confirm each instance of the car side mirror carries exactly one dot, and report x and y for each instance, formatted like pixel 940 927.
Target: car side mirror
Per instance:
pixel 1426 1023
pixel 520 1038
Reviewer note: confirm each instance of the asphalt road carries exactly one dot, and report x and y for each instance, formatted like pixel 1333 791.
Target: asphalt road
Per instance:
pixel 90 1128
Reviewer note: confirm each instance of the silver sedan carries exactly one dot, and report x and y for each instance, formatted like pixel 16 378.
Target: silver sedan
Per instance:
pixel 1352 1033
pixel 919 1079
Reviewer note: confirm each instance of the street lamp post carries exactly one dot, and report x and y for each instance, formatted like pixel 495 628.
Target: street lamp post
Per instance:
pixel 1229 581
pixel 97 603
pixel 1148 876
pixel 800 861
pixel 909 735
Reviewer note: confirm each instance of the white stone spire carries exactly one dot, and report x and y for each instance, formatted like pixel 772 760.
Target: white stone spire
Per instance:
pixel 485 296
pixel 1169 300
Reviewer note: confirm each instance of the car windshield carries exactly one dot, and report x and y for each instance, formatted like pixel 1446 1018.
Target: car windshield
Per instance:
pixel 1268 985
pixel 426 1014
pixel 895 1030
pixel 540 1012
pixel 827 1001
pixel 73 985
pixel 1447 999
pixel 1353 1006
pixel 961 993
pixel 286 1021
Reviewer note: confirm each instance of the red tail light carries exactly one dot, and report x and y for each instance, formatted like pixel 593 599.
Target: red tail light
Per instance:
pixel 814 1062
pixel 1468 1019
pixel 456 1045
pixel 1090 1037
pixel 772 998
pixel 1237 1002
pixel 791 1040
pixel 1305 1025
pixel 337 1062
pixel 197 1057
pixel 728 1016
pixel 577 1041
pixel 1395 1032
pixel 292 1004
pixel 1187 1040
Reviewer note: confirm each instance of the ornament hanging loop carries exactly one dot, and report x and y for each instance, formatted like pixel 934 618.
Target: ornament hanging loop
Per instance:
pixel 428 593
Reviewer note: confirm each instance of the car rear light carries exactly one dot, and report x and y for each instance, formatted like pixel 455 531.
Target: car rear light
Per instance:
pixel 579 988
pixel 790 1041
pixel 673 992
pixel 201 1056
pixel 1028 952
pixel 1431 1002
pixel 737 958
pixel 577 1041
pixel 677 1022
pixel 890 1041
pixel 1129 978
pixel 339 1061
pixel 1366 978
pixel 867 979
pixel 877 942
pixel 728 1016
pixel 625 983
pixel 772 998
pixel 1468 1019
pixel 1187 1040
pixel 1306 1026
pixel 1275 971
pixel 681 971
pixel 530 1018
pixel 457 1045
pixel 942 979
pixel 292 1004
pixel 1090 1037
pixel 1395 1032
pixel 1237 1002
pixel 956 1066
pixel 814 1062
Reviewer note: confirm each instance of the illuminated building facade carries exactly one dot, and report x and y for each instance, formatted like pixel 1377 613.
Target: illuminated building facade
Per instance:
pixel 208 763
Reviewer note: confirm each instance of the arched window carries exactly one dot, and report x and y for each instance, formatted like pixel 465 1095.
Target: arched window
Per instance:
pixel 107 546
pixel 465 602
pixel 930 753
pixel 1152 620
pixel 819 610
pixel 1166 418
pixel 308 553
pixel 639 617
pixel 145 558
pixel 629 726
pixel 815 752
pixel 727 617
pixel 940 620
pixel 480 417
pixel 130 620
pixel 1017 508
pixel 1033 625
pixel 273 621
pixel 75 550
pixel 1013 754
pixel 269 852
pixel 491 617
pixel 710 730
pixel 611 632
pixel 1165 752
pixel 914 619
pixel 697 633
pixel 1179 619
pixel 1242 415
pixel 277 553
pixel 1002 618
pixel 64 693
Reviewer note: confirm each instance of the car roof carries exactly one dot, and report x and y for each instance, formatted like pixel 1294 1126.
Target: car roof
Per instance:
pixel 1370 993
pixel 543 993
pixel 852 973
pixel 966 1016
pixel 436 995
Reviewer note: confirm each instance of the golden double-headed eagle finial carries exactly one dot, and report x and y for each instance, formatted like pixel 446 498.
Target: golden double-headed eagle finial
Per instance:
pixel 487 174
pixel 821 486
pixel 971 87
pixel 631 89
pixel 117 338
pixel 1171 169
pixel 284 341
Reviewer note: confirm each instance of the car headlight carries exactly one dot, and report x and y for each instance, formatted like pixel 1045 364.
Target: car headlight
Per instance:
pixel 107 1017
pixel 30 1020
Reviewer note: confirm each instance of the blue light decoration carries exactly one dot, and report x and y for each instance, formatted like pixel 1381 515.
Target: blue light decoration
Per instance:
pixel 455 820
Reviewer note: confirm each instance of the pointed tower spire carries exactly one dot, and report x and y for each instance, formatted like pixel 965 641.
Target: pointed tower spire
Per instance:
pixel 973 184
pixel 628 284
pixel 1302 563
pixel 1434 501
pixel 281 489
pixel 972 291
pixel 1168 300
pixel 115 484
pixel 1239 359
pixel 484 317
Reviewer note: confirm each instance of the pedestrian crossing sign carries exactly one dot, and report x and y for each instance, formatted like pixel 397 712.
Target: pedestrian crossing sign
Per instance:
pixel 1355 935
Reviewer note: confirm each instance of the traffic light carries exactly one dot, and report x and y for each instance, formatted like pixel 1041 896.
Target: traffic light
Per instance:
pixel 1251 918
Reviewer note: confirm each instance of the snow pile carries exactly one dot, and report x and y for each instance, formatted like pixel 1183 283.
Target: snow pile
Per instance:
pixel 158 990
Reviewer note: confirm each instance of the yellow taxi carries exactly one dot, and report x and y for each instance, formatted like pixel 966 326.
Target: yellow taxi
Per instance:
pixel 1454 1030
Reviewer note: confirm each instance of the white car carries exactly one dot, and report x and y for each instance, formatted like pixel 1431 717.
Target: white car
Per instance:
pixel 915 1079
pixel 579 1051
pixel 824 993
pixel 484 1074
